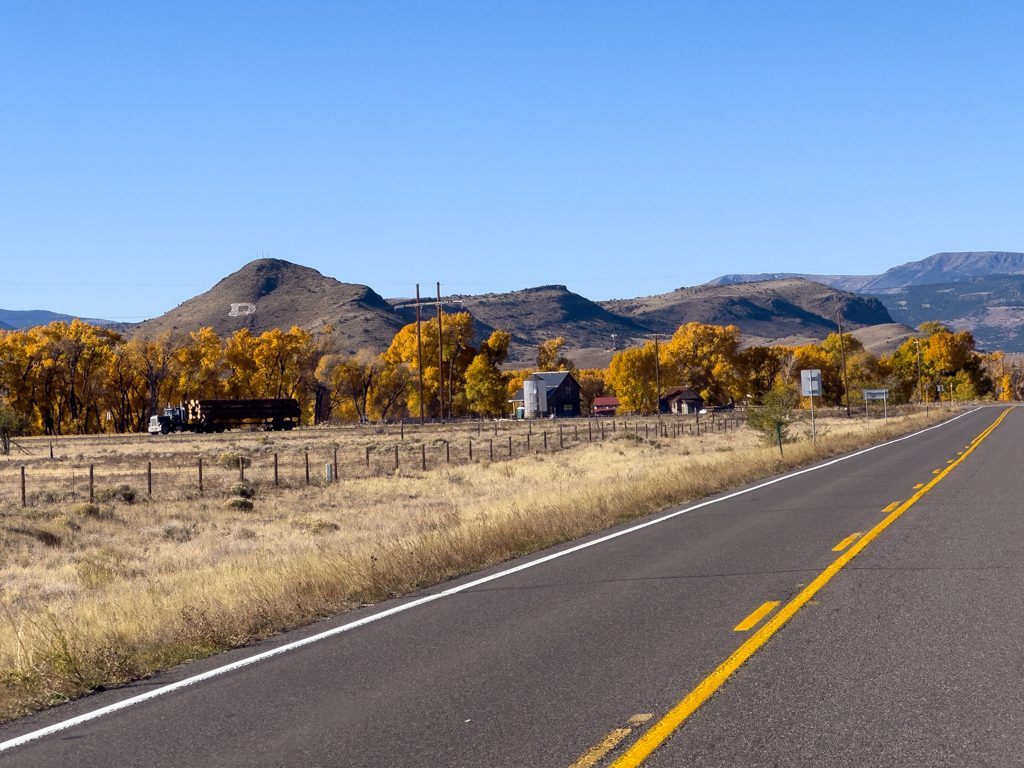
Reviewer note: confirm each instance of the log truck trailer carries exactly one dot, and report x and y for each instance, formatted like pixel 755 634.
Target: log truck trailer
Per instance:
pixel 218 415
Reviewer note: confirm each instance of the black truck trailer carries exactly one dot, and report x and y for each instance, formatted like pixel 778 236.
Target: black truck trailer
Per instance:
pixel 218 415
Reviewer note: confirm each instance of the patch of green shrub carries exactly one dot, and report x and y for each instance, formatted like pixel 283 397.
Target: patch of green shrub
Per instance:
pixel 123 493
pixel 230 460
pixel 243 504
pixel 243 490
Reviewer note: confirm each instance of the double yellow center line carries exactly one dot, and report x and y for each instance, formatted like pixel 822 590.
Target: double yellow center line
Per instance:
pixel 664 727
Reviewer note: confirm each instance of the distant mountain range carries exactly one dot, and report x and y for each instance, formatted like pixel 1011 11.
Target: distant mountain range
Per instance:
pixel 271 293
pixel 982 291
pixel 11 319
pixel 940 268
pixel 990 307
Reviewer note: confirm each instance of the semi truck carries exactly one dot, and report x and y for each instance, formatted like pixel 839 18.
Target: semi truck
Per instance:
pixel 218 415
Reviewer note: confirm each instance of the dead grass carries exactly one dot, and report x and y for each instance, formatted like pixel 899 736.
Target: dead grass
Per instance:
pixel 96 595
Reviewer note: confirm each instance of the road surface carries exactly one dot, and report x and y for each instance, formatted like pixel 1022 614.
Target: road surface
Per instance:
pixel 867 611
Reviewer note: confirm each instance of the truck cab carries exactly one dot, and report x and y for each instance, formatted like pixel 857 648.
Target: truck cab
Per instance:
pixel 173 420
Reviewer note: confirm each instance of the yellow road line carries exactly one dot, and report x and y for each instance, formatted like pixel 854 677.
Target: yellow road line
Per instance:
pixel 937 471
pixel 603 747
pixel 662 729
pixel 845 542
pixel 895 504
pixel 919 485
pixel 756 616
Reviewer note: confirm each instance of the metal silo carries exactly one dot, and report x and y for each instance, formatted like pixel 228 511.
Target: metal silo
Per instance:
pixel 535 397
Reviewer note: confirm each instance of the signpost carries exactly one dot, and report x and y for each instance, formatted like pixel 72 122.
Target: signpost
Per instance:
pixel 877 394
pixel 810 385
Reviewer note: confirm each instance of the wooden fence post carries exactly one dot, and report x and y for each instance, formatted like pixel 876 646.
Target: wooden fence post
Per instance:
pixel 275 469
pixel 201 473
pixel 527 442
pixel 149 478
pixel 545 441
pixel 90 484
pixel 367 456
pixel 335 463
pixel 510 446
pixel 396 458
pixel 307 467
pixel 447 452
pixel 471 449
pixel 492 449
pixel 23 486
pixel 241 469
pixel 423 455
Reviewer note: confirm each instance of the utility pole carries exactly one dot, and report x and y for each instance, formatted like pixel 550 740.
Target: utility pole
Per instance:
pixel 842 352
pixel 440 357
pixel 920 384
pixel 657 379
pixel 419 347
pixel 419 350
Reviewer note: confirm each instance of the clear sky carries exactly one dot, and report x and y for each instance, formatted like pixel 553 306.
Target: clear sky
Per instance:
pixel 148 150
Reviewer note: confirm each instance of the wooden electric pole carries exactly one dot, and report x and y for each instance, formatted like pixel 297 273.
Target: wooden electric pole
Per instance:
pixel 419 350
pixel 842 352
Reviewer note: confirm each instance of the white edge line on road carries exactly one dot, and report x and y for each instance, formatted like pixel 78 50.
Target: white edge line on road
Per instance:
pixel 65 724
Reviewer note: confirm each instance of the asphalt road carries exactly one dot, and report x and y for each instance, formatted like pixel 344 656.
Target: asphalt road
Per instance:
pixel 911 655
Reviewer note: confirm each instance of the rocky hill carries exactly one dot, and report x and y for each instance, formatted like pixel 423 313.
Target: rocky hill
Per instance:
pixel 765 311
pixel 535 315
pixel 271 293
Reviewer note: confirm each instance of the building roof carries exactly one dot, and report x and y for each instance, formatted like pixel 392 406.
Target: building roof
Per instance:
pixel 682 393
pixel 552 381
pixel 598 401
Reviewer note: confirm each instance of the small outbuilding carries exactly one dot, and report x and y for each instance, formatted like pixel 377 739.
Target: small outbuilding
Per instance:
pixel 557 395
pixel 604 406
pixel 681 400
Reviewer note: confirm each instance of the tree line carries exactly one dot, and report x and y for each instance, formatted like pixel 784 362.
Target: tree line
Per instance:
pixel 78 378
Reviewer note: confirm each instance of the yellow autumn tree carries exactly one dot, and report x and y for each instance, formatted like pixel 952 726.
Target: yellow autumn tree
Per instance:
pixel 704 357
pixel 458 353
pixel 632 373
pixel 486 387
pixel 200 366
pixel 550 357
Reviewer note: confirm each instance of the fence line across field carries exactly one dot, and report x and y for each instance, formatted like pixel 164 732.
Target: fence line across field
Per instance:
pixel 42 481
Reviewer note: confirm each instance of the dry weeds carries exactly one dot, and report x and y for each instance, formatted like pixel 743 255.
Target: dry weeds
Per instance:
pixel 99 594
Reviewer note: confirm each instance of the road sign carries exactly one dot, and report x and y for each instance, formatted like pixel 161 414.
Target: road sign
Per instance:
pixel 940 388
pixel 876 394
pixel 810 383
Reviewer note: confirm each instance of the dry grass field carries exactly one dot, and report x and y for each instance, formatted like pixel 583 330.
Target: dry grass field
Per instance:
pixel 99 594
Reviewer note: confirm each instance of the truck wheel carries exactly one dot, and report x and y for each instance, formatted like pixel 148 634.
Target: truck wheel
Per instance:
pixel 164 429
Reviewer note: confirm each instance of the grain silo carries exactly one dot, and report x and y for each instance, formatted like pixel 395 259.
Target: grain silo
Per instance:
pixel 535 397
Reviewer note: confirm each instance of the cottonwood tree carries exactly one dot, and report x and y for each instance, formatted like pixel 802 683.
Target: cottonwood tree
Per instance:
pixel 550 357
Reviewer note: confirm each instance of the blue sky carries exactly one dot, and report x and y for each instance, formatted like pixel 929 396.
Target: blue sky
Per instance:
pixel 623 149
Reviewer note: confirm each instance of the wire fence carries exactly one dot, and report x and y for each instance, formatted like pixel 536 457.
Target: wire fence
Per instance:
pixel 215 469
